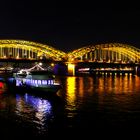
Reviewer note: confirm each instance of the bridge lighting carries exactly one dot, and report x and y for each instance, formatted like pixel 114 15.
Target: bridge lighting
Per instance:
pixel 70 66
pixel 21 48
pixel 109 52
pixel 71 69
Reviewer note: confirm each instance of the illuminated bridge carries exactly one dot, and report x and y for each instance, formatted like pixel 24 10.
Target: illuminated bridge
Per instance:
pixel 103 54
pixel 113 52
pixel 19 49
pixel 106 59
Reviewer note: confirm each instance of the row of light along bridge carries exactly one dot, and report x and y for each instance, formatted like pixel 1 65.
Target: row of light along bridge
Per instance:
pixel 97 59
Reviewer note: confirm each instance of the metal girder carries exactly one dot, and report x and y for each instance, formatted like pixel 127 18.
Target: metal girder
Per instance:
pixel 124 49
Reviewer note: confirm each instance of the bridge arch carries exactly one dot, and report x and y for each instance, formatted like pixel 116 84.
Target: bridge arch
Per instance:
pixel 20 49
pixel 106 52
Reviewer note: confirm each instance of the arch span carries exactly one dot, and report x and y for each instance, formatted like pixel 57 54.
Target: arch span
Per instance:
pixel 30 50
pixel 106 52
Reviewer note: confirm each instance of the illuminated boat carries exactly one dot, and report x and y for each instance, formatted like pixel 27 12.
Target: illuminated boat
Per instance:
pixel 22 74
pixel 38 81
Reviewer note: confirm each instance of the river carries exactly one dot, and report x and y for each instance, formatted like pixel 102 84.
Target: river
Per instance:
pixel 85 106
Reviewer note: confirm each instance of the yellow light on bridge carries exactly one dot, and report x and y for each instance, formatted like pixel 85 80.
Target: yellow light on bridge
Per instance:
pixel 71 69
pixel 70 66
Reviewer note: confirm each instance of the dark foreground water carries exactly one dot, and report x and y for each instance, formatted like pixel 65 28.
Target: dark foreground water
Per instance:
pixel 85 107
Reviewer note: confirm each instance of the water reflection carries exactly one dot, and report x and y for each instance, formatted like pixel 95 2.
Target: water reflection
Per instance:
pixel 71 87
pixel 77 87
pixel 116 85
pixel 101 90
pixel 83 102
pixel 76 90
pixel 34 109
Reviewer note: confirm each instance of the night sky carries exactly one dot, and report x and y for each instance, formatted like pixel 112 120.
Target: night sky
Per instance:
pixel 69 25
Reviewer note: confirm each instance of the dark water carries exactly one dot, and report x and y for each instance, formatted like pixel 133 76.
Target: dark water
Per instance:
pixel 85 107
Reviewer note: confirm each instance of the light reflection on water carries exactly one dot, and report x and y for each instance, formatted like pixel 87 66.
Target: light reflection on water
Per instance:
pixel 89 85
pixel 91 94
pixel 34 109
pixel 85 102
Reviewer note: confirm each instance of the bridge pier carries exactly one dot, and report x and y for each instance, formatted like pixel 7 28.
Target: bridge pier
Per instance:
pixel 60 69
pixel 71 69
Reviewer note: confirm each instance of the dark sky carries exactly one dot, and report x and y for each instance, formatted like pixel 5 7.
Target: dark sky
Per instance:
pixel 69 25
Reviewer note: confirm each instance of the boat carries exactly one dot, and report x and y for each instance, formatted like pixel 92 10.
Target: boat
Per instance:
pixel 37 81
pixel 22 74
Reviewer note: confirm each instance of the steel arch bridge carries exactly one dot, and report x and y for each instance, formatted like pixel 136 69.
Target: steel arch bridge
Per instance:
pixel 114 52
pixel 20 49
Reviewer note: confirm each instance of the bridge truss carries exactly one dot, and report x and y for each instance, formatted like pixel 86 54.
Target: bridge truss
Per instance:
pixel 20 49
pixel 114 52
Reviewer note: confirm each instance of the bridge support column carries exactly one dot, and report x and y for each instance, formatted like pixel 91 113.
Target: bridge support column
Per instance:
pixel 71 69
pixel 95 55
pixel 1 53
pixel 29 55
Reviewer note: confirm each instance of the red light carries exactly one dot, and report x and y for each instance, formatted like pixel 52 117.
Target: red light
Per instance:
pixel 1 85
